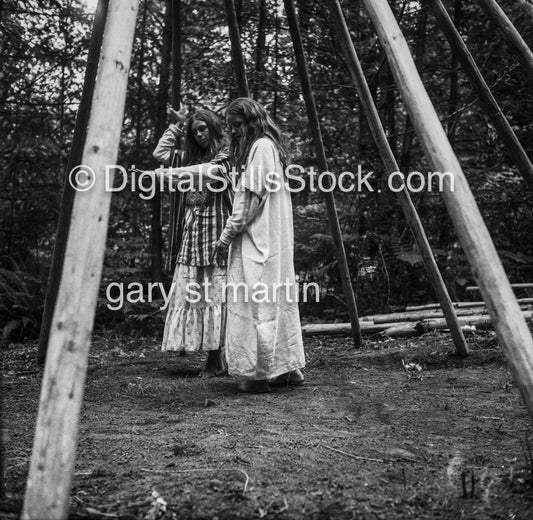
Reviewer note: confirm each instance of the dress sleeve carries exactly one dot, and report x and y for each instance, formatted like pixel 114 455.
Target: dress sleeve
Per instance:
pixel 225 170
pixel 253 188
pixel 246 205
pixel 222 159
pixel 261 169
pixel 165 146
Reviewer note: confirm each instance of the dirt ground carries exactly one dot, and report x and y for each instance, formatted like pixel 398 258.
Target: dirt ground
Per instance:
pixel 398 429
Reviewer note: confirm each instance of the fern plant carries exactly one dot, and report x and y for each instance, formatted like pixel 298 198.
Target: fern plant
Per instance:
pixel 21 303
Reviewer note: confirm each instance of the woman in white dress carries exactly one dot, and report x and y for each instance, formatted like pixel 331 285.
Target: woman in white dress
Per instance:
pixel 264 344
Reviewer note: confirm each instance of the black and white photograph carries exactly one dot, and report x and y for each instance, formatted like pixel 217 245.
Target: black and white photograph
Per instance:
pixel 266 259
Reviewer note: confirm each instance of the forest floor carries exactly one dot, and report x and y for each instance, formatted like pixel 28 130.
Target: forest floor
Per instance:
pixel 368 436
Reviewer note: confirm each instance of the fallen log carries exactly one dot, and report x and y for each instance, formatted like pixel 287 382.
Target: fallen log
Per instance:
pixel 399 329
pixel 410 329
pixel 342 329
pixel 421 327
pixel 513 285
pixel 426 315
pixel 458 305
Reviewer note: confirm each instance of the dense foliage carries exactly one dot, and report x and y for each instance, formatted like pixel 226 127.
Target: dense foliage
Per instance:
pixel 43 52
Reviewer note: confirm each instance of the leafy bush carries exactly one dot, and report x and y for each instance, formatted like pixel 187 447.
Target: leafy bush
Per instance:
pixel 21 302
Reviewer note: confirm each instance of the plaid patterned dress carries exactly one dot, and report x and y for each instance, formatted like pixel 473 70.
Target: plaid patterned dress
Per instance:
pixel 196 314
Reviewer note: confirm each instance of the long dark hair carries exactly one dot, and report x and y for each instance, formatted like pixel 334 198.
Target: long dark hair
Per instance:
pixel 194 153
pixel 256 124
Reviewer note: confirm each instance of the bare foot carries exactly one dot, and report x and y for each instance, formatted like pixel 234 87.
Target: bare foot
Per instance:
pixel 254 387
pixel 214 366
pixel 293 378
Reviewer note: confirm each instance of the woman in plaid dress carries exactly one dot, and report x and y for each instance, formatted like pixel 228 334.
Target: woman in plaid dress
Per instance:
pixel 196 314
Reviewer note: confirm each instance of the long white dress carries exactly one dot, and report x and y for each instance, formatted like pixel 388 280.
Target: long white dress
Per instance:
pixel 263 332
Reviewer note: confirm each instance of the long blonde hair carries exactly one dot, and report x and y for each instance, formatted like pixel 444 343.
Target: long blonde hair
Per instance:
pixel 256 124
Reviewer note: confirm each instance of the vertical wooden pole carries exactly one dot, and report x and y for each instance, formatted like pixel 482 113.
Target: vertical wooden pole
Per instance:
pixel 510 326
pixel 156 237
pixel 387 156
pixel 54 448
pixel 492 109
pixel 236 49
pixel 176 198
pixel 176 53
pixel 314 125
pixel 67 198
pixel 497 14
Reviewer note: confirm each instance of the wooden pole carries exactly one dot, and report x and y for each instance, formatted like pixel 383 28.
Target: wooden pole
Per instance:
pixel 527 7
pixel 497 14
pixel 402 328
pixel 471 288
pixel 492 109
pixel 54 448
pixel 236 49
pixel 387 156
pixel 176 198
pixel 510 326
pixel 314 125
pixel 460 305
pixel 67 198
pixel 176 53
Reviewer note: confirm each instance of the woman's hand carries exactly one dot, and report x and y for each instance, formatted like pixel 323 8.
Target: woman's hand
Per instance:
pixel 219 256
pixel 178 117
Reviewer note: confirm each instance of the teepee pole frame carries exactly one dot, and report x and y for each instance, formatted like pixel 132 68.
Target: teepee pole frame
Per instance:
pixel 520 47
pixel 491 107
pixel 387 156
pixel 509 324
pixel 316 133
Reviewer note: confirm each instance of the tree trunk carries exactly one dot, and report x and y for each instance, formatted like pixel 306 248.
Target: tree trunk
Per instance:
pixel 454 77
pixel 236 49
pixel 260 48
pixel 75 158
pixel 420 49
pixel 140 73
pixel 176 53
pixel 275 75
pixel 156 242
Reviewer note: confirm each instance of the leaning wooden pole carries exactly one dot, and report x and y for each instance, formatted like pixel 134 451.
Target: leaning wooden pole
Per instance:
pixel 54 448
pixel 492 109
pixel 387 156
pixel 510 326
pixel 527 8
pixel 498 16
pixel 314 125
pixel 67 198
pixel 236 49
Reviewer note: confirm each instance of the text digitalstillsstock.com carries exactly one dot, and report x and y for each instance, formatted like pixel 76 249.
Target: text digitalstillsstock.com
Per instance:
pixel 295 179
